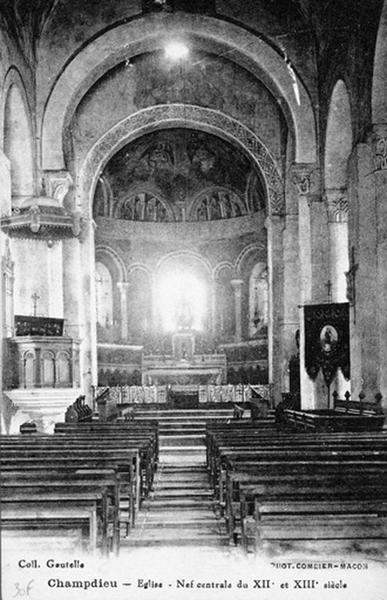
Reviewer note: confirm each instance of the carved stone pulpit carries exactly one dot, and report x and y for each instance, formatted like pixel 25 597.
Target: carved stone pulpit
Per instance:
pixel 45 357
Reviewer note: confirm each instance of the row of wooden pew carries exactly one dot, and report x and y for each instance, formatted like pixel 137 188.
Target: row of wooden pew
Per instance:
pixel 86 478
pixel 275 487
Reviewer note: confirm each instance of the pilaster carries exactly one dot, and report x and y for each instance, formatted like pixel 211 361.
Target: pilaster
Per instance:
pixel 275 227
pixel 336 200
pixel 123 286
pixel 237 287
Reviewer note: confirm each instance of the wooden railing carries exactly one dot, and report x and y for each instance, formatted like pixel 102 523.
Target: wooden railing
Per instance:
pixel 360 407
pixel 132 394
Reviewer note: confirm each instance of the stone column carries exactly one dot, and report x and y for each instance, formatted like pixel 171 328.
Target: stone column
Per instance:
pixel 379 147
pixel 275 227
pixel 237 286
pixel 88 349
pixel 213 306
pixel 306 179
pixel 156 321
pixel 291 290
pixel 364 293
pixel 336 200
pixel 290 294
pixel 72 287
pixel 337 209
pixel 7 271
pixel 123 287
pixel 55 279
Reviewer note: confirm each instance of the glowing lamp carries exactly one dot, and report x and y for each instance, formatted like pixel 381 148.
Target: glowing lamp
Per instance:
pixel 176 51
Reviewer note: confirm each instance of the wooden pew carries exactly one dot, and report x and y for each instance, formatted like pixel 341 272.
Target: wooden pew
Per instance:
pixel 349 515
pixel 130 450
pixel 65 499
pixel 251 448
pixel 124 462
pixel 148 427
pixel 312 455
pixel 141 442
pixel 291 476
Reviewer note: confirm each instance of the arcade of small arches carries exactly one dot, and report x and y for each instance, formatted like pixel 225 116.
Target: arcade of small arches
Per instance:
pixel 219 204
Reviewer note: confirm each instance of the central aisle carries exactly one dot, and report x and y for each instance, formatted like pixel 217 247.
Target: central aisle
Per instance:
pixel 180 510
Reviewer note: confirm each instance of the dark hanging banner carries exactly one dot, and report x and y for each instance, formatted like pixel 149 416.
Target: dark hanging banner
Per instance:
pixel 327 340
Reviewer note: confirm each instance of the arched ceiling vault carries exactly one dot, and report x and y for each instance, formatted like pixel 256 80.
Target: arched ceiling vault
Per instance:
pixel 379 102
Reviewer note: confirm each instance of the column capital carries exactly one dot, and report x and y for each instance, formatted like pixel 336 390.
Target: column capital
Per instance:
pixel 123 285
pixel 236 283
pixel 277 221
pixel 57 184
pixel 379 146
pixel 336 200
pixel 307 180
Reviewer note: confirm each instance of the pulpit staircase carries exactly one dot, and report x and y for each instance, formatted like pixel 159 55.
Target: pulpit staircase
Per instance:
pixel 180 510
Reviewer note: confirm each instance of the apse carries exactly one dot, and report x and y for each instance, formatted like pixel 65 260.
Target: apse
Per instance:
pixel 184 212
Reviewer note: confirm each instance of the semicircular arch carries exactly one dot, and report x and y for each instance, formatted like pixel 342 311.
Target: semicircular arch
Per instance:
pixel 251 248
pixel 338 148
pixel 225 264
pixel 181 115
pixel 379 82
pixel 17 134
pixel 139 267
pixel 184 254
pixel 102 251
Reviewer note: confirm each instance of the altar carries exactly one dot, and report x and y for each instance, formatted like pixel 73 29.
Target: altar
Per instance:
pixel 184 367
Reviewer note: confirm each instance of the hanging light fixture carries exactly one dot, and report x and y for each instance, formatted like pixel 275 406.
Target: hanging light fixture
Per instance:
pixel 176 50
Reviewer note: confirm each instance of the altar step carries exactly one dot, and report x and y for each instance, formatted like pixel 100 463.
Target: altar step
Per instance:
pixel 174 440
pixel 171 414
pixel 173 426
pixel 184 456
